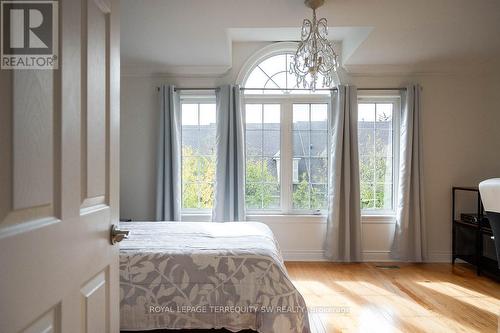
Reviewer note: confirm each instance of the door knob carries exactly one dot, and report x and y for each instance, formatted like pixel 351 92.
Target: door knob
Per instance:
pixel 118 235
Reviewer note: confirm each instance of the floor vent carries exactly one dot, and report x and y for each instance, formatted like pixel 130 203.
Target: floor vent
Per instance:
pixel 387 266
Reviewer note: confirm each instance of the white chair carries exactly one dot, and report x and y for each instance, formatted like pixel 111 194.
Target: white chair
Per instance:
pixel 490 196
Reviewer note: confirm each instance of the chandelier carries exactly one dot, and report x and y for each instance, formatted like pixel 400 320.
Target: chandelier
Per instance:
pixel 315 55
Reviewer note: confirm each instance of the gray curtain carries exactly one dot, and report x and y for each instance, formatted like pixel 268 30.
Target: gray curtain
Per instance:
pixel 409 241
pixel 343 238
pixel 168 171
pixel 229 204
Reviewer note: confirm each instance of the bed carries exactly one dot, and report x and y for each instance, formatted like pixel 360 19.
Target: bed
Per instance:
pixel 196 275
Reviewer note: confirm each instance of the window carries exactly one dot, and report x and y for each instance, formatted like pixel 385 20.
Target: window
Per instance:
pixel 198 153
pixel 286 137
pixel 262 184
pixel 271 76
pixel 310 156
pixel 377 134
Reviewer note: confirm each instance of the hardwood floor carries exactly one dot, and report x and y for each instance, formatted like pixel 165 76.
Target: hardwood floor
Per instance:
pixel 411 298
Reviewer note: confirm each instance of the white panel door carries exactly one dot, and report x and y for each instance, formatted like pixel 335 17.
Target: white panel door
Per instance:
pixel 59 154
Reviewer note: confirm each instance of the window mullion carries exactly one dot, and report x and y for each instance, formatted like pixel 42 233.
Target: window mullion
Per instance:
pixel 286 157
pixel 198 161
pixel 262 159
pixel 396 119
pixel 309 160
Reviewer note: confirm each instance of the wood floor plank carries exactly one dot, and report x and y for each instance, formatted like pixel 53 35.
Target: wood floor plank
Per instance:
pixel 411 298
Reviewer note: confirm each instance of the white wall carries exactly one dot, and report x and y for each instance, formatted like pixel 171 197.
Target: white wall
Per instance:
pixel 461 139
pixel 461 112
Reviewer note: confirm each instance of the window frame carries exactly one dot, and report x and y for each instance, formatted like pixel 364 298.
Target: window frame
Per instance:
pixel 286 102
pixel 194 97
pixel 269 51
pixel 393 97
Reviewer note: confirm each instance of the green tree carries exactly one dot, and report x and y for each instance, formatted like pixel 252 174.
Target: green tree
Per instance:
pixel 258 195
pixel 198 174
pixel 373 175
pixel 306 196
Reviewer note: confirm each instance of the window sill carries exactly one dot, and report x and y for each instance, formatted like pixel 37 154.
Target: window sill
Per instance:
pixel 282 218
pixel 297 218
pixel 378 219
pixel 194 217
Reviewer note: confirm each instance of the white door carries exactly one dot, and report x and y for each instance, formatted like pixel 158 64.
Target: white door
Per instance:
pixel 59 153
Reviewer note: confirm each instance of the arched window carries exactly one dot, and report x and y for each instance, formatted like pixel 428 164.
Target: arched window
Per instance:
pixel 286 137
pixel 268 72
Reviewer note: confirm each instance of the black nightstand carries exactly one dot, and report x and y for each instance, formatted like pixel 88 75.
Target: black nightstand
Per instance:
pixel 472 239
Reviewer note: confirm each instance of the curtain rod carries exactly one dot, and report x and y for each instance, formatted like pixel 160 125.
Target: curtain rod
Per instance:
pixel 180 89
pixel 280 89
pixel 400 88
pixel 323 89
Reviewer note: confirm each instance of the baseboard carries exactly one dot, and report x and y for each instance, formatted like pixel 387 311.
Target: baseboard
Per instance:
pixel 368 256
pixel 318 255
pixel 439 256
pixel 377 256
pixel 304 255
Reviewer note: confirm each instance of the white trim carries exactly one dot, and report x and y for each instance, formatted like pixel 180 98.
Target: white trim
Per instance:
pixel 378 219
pixel 261 55
pixel 377 256
pixel 287 219
pixel 193 217
pixel 267 52
pixel 197 98
pixel 319 255
pixel 286 155
pixel 304 255
pixel 375 95
pixel 439 256
pixel 267 219
pixel 405 71
pixel 162 71
pixel 393 97
pixel 286 102
pixel 366 256
pixel 283 98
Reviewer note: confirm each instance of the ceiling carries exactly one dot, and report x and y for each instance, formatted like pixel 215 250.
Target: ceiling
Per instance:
pixel 169 34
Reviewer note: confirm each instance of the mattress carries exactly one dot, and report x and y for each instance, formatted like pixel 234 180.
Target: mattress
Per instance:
pixel 196 275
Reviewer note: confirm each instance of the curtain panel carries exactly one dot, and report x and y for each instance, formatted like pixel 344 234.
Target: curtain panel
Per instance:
pixel 229 202
pixel 168 164
pixel 343 237
pixel 409 240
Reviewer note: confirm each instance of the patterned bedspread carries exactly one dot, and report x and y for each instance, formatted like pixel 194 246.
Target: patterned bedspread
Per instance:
pixel 185 275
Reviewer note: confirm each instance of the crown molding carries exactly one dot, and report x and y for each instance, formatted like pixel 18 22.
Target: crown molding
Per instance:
pixel 436 69
pixel 144 70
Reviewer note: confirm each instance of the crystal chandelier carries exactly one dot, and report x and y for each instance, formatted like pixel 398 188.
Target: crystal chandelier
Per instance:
pixel 315 55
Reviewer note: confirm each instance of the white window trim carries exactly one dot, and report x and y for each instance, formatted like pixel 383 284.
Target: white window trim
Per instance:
pixel 195 97
pixel 286 100
pixel 194 217
pixel 261 55
pixel 191 98
pixel 286 148
pixel 389 96
pixel 290 215
pixel 287 219
pixel 267 52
